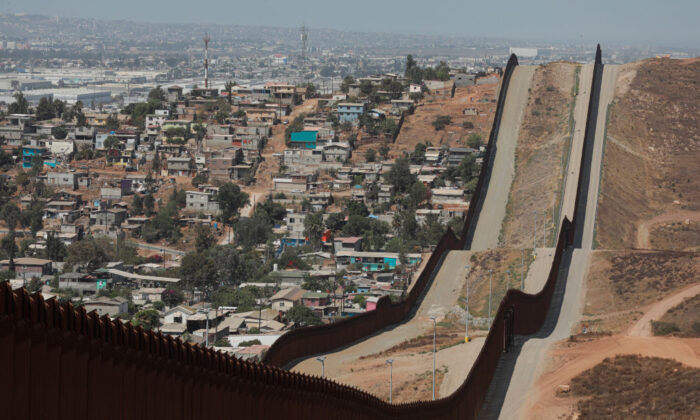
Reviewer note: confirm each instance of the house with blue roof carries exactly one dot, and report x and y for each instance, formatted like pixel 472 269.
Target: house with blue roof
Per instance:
pixel 304 139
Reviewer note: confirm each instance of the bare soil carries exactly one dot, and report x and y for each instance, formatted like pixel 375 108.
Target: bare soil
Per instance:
pixel 639 387
pixel 543 142
pixel 506 267
pixel 652 153
pixel 418 128
pixel 571 358
pixel 621 283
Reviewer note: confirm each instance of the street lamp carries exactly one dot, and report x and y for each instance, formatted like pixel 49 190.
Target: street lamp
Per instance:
pixel 391 376
pixel 434 352
pixel 322 359
pixel 466 321
pixel 206 333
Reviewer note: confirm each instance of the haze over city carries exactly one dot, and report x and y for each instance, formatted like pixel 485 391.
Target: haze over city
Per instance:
pixel 366 210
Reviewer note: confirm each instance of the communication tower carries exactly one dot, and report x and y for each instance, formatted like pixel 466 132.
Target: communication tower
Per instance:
pixel 206 40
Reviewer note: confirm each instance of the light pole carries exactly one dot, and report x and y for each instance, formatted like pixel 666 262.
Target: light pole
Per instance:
pixel 534 232
pixel 466 322
pixel 434 352
pixel 390 362
pixel 322 359
pixel 544 228
pixel 206 333
pixel 522 279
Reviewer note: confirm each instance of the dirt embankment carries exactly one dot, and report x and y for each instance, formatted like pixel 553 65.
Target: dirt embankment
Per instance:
pixel 652 158
pixel 621 284
pixel 497 271
pixel 543 143
pixel 418 128
pixel 683 319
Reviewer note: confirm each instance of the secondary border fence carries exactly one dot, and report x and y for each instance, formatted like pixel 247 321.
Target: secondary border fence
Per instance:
pixel 61 362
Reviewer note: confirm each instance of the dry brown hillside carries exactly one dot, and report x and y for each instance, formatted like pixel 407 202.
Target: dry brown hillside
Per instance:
pixel 543 142
pixel 650 190
pixel 418 128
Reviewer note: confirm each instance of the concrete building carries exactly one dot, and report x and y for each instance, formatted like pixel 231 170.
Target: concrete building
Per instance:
pixel 179 166
pixel 27 268
pixel 348 111
pixel 285 299
pixel 202 201
pixel 107 306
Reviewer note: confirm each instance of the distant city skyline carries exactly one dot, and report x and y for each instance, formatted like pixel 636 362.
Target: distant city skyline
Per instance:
pixel 650 22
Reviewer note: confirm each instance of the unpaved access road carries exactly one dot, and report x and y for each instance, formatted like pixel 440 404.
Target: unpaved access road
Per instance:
pixel 493 211
pixel 642 328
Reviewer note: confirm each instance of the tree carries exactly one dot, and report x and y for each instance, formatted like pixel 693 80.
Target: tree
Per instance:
pixel 441 122
pixel 231 200
pixel 146 319
pixel 229 90
pixel 384 152
pixel 302 316
pixel 112 122
pixel 157 94
pixel 417 194
pixel 474 141
pixel 371 155
pixel 221 116
pixel 360 300
pixel 335 221
pixel 148 204
pixel 172 297
pixel 400 175
pixel 432 230
pixel 10 213
pixel 20 106
pixel 418 155
pixel 59 132
pixel 137 204
pixel 223 342
pixel 86 252
pixel 197 271
pixel 204 238
pixel 313 229
pixel 111 143
pixel 345 85
pixel 242 299
pixel 155 163
pixel 45 109
pixel 357 208
pixel 55 248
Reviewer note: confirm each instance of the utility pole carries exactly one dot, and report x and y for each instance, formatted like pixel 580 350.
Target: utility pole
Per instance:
pixel 534 233
pixel 390 362
pixel 544 228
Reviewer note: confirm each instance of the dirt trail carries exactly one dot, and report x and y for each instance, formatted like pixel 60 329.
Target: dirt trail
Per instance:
pixel 572 359
pixel 644 228
pixel 642 328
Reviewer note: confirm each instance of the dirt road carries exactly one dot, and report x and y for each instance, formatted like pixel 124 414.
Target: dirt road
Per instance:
pixel 642 328
pixel 494 209
pixel 644 228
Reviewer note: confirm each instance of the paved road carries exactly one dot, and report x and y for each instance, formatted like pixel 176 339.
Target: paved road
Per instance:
pixel 439 300
pixel 159 249
pixel 539 270
pixel 494 209
pixel 533 354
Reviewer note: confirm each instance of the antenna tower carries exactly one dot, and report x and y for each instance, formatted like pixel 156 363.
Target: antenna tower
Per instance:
pixel 206 40
pixel 304 39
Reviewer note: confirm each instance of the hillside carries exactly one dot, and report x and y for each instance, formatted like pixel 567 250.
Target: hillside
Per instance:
pixel 418 127
pixel 543 143
pixel 650 192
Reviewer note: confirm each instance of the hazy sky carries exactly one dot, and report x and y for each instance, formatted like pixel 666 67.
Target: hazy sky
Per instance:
pixel 669 22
